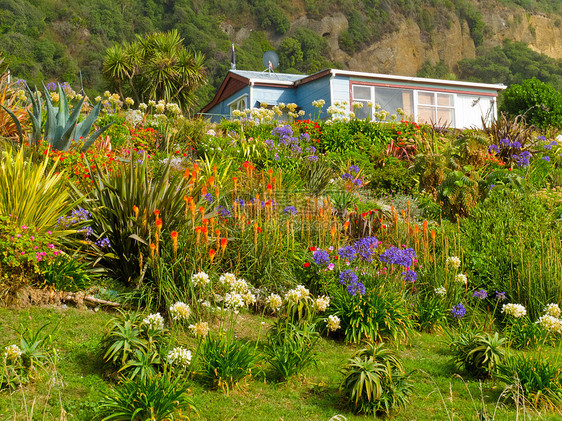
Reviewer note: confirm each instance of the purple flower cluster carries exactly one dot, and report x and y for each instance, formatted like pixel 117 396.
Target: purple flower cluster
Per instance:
pixel 549 146
pixel 351 280
pixel 346 176
pixel 240 203
pixel 396 256
pixel 546 158
pixel 103 243
pixel 87 231
pixel 291 210
pixel 209 197
pixel 321 258
pixel 347 253
pixel 75 217
pixel 366 248
pixel 410 276
pixel 354 169
pixel 458 311
pixel 522 159
pixel 223 212
pixel 283 131
pixel 482 294
pixel 494 148
pixel 51 86
pixel 500 296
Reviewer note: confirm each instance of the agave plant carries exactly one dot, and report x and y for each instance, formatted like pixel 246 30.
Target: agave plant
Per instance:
pixel 62 126
pixel 478 353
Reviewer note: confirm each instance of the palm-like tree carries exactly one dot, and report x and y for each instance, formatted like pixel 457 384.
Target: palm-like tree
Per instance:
pixel 156 66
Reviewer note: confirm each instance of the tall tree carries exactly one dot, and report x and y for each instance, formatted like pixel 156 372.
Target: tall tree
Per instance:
pixel 156 66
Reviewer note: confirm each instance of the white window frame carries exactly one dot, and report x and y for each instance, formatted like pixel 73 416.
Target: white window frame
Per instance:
pixel 436 107
pixel 236 104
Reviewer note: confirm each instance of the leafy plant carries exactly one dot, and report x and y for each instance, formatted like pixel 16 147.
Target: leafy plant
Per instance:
pixel 375 381
pixel 479 354
pixel 225 361
pixel 68 273
pixel 161 397
pixel 33 194
pixel 290 351
pixel 62 126
pixel 122 338
pixel 537 381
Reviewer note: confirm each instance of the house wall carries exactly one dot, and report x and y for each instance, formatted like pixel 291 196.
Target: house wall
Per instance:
pixel 312 91
pixel 273 95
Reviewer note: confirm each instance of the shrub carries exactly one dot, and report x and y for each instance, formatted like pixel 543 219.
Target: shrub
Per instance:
pixel 375 381
pixel 540 103
pixel 477 353
pixel 537 381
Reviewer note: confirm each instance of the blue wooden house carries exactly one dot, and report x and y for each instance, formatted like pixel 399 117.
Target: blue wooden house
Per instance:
pixel 443 102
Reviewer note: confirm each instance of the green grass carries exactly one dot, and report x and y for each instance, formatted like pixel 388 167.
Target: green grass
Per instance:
pixel 439 394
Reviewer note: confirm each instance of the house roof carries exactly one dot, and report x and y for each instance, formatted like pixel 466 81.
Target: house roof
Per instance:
pixel 237 79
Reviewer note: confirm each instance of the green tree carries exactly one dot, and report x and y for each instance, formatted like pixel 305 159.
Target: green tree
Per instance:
pixel 155 66
pixel 539 102
pixel 290 53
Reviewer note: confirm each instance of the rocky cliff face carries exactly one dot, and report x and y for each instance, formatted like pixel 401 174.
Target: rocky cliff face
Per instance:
pixel 405 50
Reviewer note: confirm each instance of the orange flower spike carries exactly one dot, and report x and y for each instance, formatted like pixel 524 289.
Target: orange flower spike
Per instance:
pixel 269 187
pixel 159 224
pixel 174 235
pixel 136 211
pixel 212 254
pixel 215 170
pixel 201 210
pixel 205 221
pixel 203 191
pixel 223 243
pixel 156 213
pixel 186 173
pixel 211 181
pixel 195 168
pixel 152 248
pixel 417 229
pixel 425 227
pixel 346 225
pixel 198 234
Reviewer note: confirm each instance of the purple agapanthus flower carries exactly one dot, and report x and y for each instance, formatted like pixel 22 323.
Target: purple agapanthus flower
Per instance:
pixel 494 148
pixel 209 197
pixel 349 279
pixel 347 253
pixel 103 243
pixel 291 210
pixel 366 248
pixel 321 258
pixel 482 294
pixel 396 256
pixel 501 296
pixel 354 168
pixel 410 276
pixel 223 212
pixel 546 158
pixel 458 311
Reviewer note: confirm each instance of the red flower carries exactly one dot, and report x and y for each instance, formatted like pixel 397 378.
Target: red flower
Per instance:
pixel 306 264
pixel 312 248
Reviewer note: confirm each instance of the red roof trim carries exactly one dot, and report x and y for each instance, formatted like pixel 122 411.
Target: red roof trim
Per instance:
pixel 219 95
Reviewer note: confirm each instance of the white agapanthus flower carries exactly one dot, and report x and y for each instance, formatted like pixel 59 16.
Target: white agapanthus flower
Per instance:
pixel 227 279
pixel 515 310
pixel 233 300
pixel 453 262
pixel 321 303
pixel 441 291
pixel 550 323
pixel 180 311
pixel 179 357
pixel 552 309
pixel 274 301
pixel 155 321
pixel 199 329
pixel 239 285
pixel 333 323
pixel 249 298
pixel 302 291
pixel 12 352
pixel 200 279
pixel 461 278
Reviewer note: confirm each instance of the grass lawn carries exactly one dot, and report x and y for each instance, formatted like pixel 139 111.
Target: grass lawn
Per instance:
pixel 78 382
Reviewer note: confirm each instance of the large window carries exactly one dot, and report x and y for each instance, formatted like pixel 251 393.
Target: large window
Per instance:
pixel 422 106
pixel 436 108
pixel 240 104
pixel 376 98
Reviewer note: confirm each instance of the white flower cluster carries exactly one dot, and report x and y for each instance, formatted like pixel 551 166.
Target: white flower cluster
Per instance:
pixel 441 291
pixel 318 103
pixel 275 302
pixel 550 323
pixel 129 101
pixel 249 298
pixel 180 311
pixel 321 303
pixel 453 262
pixel 239 285
pixel 297 294
pixel 200 279
pixel 333 323
pixel 461 278
pixel 179 356
pixel 211 132
pixel 155 321
pixel 515 310
pixel 227 279
pixel 200 329
pixel 134 117
pixel 233 301
pixel 12 352
pixel 552 309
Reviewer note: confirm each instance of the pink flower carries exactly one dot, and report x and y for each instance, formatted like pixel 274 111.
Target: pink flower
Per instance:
pixel 331 266
pixel 35 247
pixel 32 238
pixel 56 252
pixel 49 232
pixel 51 246
pixel 22 253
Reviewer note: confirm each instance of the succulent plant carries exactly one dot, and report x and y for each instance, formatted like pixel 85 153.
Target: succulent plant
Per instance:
pixel 62 126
